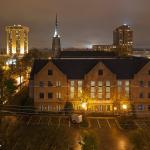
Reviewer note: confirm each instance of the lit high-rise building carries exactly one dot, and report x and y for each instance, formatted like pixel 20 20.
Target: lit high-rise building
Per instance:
pixel 123 38
pixel 17 40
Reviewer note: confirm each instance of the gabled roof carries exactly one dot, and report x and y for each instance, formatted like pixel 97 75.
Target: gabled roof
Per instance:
pixel 37 66
pixel 124 68
pixel 86 54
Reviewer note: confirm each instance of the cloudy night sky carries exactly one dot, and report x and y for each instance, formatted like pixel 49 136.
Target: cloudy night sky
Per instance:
pixel 81 22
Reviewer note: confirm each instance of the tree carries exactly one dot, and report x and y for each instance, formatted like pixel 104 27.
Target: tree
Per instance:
pixel 7 86
pixel 68 108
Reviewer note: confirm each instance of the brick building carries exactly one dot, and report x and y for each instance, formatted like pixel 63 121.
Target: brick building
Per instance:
pixel 108 84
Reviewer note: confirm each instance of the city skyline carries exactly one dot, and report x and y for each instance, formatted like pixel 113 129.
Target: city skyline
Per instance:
pixel 94 26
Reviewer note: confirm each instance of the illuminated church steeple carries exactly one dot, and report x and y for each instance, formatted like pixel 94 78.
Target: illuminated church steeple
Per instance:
pixel 56 47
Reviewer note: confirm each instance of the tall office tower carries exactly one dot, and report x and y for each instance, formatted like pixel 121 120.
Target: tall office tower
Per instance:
pixel 17 40
pixel 56 46
pixel 123 38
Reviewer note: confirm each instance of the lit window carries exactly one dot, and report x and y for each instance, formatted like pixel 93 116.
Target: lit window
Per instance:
pixel 58 95
pixel 100 89
pixel 71 83
pixel 127 89
pixel 107 95
pixel 92 89
pixel 107 107
pixel 100 96
pixel 107 83
pixel 72 89
pixel 100 83
pixel 79 88
pixel 58 83
pixel 107 89
pixel 92 83
pixel 92 95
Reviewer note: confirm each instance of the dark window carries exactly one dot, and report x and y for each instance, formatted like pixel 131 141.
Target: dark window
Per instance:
pixel 148 107
pixel 148 95
pixel 148 83
pixel 141 95
pixel 41 83
pixel 50 72
pixel 140 107
pixel 141 83
pixel 50 83
pixel 50 95
pixel 149 72
pixel 100 72
pixel 42 95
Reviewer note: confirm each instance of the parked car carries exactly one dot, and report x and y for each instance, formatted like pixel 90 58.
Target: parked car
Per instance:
pixel 76 118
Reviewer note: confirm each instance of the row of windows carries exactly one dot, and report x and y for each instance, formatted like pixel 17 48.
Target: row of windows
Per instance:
pixel 143 96
pixel 49 95
pixel 142 107
pixel 93 83
pixel 142 83
pixel 49 83
pixel 100 108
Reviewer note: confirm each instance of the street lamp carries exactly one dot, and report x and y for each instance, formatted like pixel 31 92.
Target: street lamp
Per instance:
pixel 84 105
pixel 124 107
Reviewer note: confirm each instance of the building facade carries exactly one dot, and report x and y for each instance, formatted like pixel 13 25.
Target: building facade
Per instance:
pixel 107 85
pixel 17 40
pixel 123 38
pixel 106 48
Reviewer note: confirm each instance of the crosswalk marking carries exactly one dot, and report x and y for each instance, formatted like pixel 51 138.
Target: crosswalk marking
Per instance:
pixel 39 121
pixel 69 123
pixel 98 123
pixel 117 123
pixel 49 122
pixel 89 123
pixel 108 123
pixel 29 121
pixel 59 122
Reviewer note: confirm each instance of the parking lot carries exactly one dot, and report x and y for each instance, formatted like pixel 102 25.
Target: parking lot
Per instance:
pixel 93 122
pixel 64 121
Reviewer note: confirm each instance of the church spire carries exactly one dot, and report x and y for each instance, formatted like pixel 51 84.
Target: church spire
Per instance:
pixel 56 46
pixel 56 34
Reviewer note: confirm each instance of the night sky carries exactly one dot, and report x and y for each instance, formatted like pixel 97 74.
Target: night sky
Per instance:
pixel 82 22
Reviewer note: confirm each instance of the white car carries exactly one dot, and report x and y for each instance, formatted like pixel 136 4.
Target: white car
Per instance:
pixel 76 118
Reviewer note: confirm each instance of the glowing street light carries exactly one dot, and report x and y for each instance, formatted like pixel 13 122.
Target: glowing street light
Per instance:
pixel 115 108
pixel 84 105
pixel 124 107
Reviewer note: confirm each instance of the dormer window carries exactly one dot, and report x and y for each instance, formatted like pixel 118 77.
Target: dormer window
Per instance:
pixel 50 72
pixel 100 72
